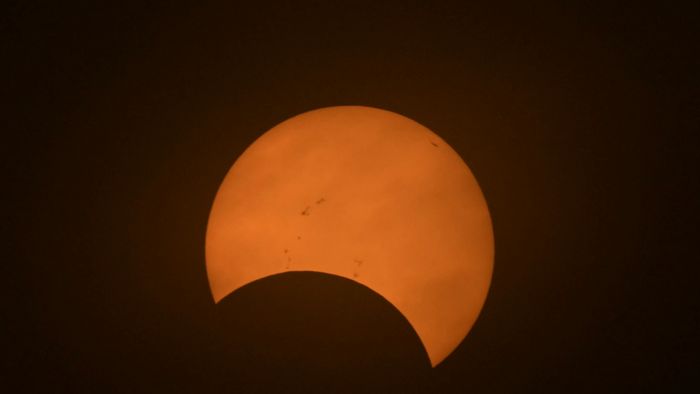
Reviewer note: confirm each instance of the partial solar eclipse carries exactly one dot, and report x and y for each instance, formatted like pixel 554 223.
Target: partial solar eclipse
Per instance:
pixel 365 194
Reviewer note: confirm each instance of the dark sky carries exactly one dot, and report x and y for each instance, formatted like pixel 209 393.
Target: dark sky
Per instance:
pixel 122 121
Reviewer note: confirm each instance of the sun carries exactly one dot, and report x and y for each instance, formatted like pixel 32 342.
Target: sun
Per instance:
pixel 364 194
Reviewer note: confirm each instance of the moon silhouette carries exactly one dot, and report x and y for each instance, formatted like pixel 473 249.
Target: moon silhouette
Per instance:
pixel 364 194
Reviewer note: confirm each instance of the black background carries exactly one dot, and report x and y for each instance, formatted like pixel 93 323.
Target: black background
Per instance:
pixel 123 119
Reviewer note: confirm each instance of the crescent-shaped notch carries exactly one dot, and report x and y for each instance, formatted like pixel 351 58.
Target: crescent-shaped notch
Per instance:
pixel 365 194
